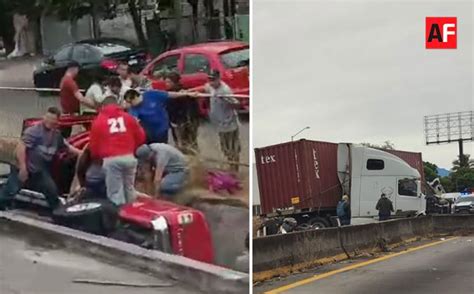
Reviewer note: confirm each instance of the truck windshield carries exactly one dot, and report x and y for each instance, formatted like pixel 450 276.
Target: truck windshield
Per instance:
pixel 408 187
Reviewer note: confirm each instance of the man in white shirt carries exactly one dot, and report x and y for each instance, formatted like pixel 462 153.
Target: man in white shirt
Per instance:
pixel 99 90
pixel 123 72
pixel 96 94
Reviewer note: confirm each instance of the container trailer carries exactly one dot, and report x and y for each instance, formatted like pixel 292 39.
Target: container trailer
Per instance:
pixel 305 180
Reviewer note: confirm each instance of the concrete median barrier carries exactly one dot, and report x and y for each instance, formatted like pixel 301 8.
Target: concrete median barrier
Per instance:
pixel 205 278
pixel 284 254
pixel 453 223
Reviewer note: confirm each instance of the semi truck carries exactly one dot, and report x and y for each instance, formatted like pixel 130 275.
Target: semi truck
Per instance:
pixel 306 179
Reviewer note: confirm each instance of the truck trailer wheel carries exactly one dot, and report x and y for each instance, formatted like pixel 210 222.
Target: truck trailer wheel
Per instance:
pixel 96 216
pixel 318 223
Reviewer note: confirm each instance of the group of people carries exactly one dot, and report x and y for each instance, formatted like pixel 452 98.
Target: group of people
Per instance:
pixel 343 210
pixel 131 129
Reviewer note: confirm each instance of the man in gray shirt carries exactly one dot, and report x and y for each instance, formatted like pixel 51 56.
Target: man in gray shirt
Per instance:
pixel 40 143
pixel 224 117
pixel 169 165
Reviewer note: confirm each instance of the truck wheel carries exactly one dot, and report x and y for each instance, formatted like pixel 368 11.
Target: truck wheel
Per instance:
pixel 95 216
pixel 318 223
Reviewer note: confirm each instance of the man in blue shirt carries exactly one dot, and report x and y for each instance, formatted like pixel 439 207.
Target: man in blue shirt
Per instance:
pixel 150 109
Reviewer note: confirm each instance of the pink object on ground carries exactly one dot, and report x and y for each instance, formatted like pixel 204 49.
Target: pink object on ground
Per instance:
pixel 219 181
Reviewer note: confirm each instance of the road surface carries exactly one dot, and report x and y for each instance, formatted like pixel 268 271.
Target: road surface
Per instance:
pixel 447 267
pixel 33 270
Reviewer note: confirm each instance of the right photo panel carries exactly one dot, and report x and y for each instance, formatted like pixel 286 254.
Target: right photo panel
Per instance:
pixel 363 158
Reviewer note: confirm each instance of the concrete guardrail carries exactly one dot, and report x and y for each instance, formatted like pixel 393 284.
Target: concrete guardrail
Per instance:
pixel 204 277
pixel 283 254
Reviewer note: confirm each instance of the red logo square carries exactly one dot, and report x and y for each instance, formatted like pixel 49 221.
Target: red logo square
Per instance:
pixel 441 33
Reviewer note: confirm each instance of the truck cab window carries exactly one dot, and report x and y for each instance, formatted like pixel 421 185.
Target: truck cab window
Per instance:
pixel 375 164
pixel 407 187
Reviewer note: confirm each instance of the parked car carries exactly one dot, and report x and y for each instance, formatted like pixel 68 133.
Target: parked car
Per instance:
pixel 464 204
pixel 194 63
pixel 96 57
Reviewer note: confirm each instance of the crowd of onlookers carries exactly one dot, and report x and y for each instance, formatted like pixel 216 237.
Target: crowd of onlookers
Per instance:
pixel 130 129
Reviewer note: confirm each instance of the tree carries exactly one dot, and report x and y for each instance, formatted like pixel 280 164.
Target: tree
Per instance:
pixel 388 145
pixel 463 161
pixel 106 9
pixel 447 184
pixel 463 178
pixel 134 7
pixel 430 170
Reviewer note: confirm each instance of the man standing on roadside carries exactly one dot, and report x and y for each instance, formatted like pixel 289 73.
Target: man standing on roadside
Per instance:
pixel 344 211
pixel 385 207
pixel 70 95
pixel 114 138
pixel 40 143
pixel 224 116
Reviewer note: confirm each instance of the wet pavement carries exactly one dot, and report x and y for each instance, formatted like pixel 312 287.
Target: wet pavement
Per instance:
pixel 34 270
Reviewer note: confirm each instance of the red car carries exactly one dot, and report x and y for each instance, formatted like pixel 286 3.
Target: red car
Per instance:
pixel 150 223
pixel 194 62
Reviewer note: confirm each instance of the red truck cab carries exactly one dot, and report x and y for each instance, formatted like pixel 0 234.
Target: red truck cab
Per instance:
pixel 187 232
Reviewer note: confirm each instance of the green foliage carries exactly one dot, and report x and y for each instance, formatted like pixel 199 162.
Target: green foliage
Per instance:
pixel 463 178
pixel 447 184
pixel 462 175
pixel 430 170
pixel 463 161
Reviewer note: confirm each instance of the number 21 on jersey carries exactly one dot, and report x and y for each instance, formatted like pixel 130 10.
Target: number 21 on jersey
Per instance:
pixel 116 125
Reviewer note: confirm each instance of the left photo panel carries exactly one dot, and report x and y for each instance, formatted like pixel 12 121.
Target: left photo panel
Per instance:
pixel 124 146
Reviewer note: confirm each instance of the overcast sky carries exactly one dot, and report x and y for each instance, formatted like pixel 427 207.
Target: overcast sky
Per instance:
pixel 358 71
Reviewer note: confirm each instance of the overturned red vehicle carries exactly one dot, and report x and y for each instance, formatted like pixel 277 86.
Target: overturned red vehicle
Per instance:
pixel 150 223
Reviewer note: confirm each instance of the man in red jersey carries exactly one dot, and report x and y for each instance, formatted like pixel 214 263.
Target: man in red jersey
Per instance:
pixel 114 138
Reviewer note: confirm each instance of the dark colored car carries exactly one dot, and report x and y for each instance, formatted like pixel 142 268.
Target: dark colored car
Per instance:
pixel 464 204
pixel 97 57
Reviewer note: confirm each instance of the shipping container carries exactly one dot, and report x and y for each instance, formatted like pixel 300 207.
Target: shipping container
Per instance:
pixel 303 175
pixel 414 159
pixel 300 174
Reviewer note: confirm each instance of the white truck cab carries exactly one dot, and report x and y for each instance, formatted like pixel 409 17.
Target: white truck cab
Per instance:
pixel 365 173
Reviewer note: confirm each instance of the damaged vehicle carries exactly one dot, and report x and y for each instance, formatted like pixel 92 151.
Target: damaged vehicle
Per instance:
pixel 464 204
pixel 146 222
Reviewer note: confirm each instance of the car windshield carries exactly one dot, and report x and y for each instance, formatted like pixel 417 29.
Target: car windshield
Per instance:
pixel 108 48
pixel 235 58
pixel 465 199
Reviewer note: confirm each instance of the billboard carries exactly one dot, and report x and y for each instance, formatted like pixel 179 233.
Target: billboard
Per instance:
pixel 449 127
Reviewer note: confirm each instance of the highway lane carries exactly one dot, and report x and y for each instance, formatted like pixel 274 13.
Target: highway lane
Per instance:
pixel 447 267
